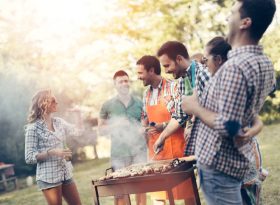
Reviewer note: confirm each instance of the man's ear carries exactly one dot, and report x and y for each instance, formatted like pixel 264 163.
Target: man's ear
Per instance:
pixel 152 70
pixel 179 58
pixel 218 60
pixel 246 23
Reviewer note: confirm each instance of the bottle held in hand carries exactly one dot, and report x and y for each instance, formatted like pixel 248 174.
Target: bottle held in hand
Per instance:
pixel 65 147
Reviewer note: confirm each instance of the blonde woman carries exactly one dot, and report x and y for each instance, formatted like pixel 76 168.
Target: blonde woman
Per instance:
pixel 44 146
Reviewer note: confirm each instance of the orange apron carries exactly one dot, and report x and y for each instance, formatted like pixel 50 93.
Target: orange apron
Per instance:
pixel 174 147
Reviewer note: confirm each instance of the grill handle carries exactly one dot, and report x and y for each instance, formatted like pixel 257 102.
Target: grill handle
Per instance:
pixel 176 162
pixel 108 169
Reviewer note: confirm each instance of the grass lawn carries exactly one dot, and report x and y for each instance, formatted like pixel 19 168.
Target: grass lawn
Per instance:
pixel 269 142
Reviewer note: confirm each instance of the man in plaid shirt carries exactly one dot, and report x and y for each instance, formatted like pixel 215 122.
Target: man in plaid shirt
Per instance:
pixel 174 57
pixel 230 101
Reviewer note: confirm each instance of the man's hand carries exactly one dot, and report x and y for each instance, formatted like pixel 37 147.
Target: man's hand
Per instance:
pixel 158 146
pixel 155 129
pixel 190 104
pixel 245 136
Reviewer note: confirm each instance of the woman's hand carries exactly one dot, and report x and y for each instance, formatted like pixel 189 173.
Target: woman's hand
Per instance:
pixel 63 153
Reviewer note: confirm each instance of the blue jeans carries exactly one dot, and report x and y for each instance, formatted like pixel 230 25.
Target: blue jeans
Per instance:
pixel 219 188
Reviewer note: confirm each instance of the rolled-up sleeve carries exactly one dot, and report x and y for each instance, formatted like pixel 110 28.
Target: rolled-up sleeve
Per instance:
pixel 232 98
pixel 178 113
pixel 103 114
pixel 202 78
pixel 144 116
pixel 31 145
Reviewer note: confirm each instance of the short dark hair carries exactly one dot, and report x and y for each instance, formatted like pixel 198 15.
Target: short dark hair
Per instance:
pixel 261 13
pixel 150 62
pixel 219 46
pixel 120 73
pixel 172 49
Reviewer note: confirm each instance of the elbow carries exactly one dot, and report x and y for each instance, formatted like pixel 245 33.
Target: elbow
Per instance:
pixel 30 160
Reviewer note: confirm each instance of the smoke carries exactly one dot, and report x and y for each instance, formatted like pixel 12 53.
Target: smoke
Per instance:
pixel 15 96
pixel 127 136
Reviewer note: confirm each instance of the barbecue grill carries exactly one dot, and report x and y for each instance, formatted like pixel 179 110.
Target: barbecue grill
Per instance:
pixel 181 171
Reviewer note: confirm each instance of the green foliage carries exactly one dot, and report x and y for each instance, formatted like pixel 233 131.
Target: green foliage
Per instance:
pixel 271 109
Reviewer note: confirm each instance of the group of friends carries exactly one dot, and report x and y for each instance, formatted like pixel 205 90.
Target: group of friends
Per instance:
pixel 210 110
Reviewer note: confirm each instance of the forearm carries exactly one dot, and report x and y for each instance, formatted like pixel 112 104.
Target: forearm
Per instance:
pixel 172 126
pixel 257 126
pixel 43 156
pixel 219 122
pixel 206 116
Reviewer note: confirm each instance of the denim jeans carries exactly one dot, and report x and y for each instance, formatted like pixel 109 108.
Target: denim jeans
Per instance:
pixel 219 188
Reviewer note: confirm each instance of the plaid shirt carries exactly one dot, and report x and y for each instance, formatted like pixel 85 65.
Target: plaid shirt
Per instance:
pixel 237 92
pixel 169 92
pixel 202 76
pixel 38 139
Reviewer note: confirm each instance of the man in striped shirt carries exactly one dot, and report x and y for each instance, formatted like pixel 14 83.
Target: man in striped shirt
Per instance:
pixel 229 103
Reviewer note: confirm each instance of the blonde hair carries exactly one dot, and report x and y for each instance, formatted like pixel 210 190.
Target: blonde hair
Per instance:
pixel 39 105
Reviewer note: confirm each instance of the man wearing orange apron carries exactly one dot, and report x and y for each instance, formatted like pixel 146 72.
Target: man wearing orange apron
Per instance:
pixel 159 102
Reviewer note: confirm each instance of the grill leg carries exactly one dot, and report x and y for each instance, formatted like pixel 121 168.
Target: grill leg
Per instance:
pixel 195 190
pixel 95 196
pixel 127 199
pixel 170 197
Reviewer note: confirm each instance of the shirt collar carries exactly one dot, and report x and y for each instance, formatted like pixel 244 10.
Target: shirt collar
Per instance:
pixel 188 70
pixel 159 85
pixel 256 49
pixel 131 101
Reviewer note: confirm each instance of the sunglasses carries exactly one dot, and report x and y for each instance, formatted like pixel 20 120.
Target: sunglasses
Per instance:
pixel 204 60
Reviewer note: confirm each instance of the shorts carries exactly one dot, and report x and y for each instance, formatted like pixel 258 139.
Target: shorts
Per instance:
pixel 45 185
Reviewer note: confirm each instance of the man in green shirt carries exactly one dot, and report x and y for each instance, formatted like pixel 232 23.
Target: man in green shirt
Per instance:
pixel 120 117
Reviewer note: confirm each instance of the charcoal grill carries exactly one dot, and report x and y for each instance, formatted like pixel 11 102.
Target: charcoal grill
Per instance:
pixel 183 171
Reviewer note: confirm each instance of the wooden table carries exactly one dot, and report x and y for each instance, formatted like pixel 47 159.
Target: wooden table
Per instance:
pixel 6 176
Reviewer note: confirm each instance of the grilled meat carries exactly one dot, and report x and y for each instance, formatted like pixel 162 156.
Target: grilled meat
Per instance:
pixel 139 170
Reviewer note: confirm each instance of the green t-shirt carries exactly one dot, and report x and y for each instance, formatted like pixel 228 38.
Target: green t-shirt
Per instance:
pixel 125 140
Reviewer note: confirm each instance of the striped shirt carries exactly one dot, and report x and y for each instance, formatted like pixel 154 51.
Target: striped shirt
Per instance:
pixel 38 139
pixel 166 91
pixel 236 93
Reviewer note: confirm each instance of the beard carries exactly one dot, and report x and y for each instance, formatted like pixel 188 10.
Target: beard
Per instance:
pixel 175 76
pixel 145 83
